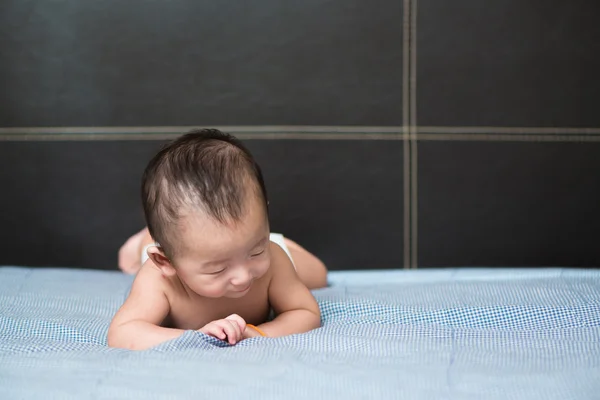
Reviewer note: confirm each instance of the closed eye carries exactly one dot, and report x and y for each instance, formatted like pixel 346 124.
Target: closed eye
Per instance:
pixel 215 272
pixel 257 254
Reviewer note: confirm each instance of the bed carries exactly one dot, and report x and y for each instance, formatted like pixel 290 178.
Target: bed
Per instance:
pixel 424 334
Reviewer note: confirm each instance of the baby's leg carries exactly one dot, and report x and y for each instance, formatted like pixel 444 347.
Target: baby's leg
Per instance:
pixel 131 251
pixel 310 269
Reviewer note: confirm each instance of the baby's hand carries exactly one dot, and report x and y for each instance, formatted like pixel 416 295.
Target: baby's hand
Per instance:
pixel 231 329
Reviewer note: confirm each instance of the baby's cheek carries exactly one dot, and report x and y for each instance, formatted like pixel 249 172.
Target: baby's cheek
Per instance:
pixel 264 267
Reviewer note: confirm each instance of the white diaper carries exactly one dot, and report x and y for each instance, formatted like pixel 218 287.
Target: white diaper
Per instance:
pixel 144 254
pixel 276 238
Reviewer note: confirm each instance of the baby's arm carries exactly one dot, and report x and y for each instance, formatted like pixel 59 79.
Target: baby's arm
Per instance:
pixel 296 308
pixel 136 326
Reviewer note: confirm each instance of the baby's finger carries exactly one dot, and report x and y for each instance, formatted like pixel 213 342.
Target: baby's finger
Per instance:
pixel 213 329
pixel 238 330
pixel 238 323
pixel 232 330
pixel 239 320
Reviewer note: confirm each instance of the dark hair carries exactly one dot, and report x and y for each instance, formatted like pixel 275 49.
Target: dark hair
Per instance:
pixel 205 169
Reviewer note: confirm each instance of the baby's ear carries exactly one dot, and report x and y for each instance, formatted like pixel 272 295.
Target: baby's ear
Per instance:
pixel 159 258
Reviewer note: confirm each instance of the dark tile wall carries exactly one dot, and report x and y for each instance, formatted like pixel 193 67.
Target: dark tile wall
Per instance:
pixel 510 196
pixel 199 63
pixel 182 62
pixel 508 63
pixel 74 203
pixel 343 200
pixel 523 192
pixel 509 203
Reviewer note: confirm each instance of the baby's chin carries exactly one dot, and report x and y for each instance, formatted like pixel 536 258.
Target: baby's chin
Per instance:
pixel 233 295
pixel 227 294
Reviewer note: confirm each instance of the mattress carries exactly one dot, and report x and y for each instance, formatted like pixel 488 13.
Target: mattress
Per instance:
pixel 425 334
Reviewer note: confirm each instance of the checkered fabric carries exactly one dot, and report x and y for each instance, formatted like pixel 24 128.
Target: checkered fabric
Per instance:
pixel 442 334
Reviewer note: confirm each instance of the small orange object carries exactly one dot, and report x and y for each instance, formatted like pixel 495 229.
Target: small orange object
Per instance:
pixel 257 330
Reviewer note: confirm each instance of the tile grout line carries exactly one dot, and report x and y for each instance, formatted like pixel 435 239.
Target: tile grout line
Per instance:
pixel 414 142
pixel 457 137
pixel 169 136
pixel 406 132
pixel 178 130
pixel 514 130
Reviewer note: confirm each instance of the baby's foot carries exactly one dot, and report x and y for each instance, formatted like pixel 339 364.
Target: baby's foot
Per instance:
pixel 129 259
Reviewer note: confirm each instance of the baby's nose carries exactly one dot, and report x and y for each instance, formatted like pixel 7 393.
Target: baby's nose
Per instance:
pixel 242 276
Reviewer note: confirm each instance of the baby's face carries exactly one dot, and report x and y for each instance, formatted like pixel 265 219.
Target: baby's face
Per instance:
pixel 219 260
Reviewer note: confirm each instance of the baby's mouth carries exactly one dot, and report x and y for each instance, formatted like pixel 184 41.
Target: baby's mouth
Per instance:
pixel 244 289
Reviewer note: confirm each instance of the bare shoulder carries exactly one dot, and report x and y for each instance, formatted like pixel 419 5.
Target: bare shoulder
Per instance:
pixel 151 280
pixel 286 290
pixel 148 297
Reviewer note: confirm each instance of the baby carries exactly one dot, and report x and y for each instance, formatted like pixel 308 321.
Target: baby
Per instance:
pixel 211 265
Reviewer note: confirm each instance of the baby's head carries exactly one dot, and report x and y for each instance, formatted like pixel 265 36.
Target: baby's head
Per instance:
pixel 205 203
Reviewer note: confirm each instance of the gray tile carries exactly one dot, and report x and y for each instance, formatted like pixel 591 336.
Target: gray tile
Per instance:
pixel 183 62
pixel 343 200
pixel 74 203
pixel 71 203
pixel 508 63
pixel 508 204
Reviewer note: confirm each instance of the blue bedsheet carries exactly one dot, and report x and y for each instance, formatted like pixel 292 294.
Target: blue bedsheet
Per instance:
pixel 441 334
